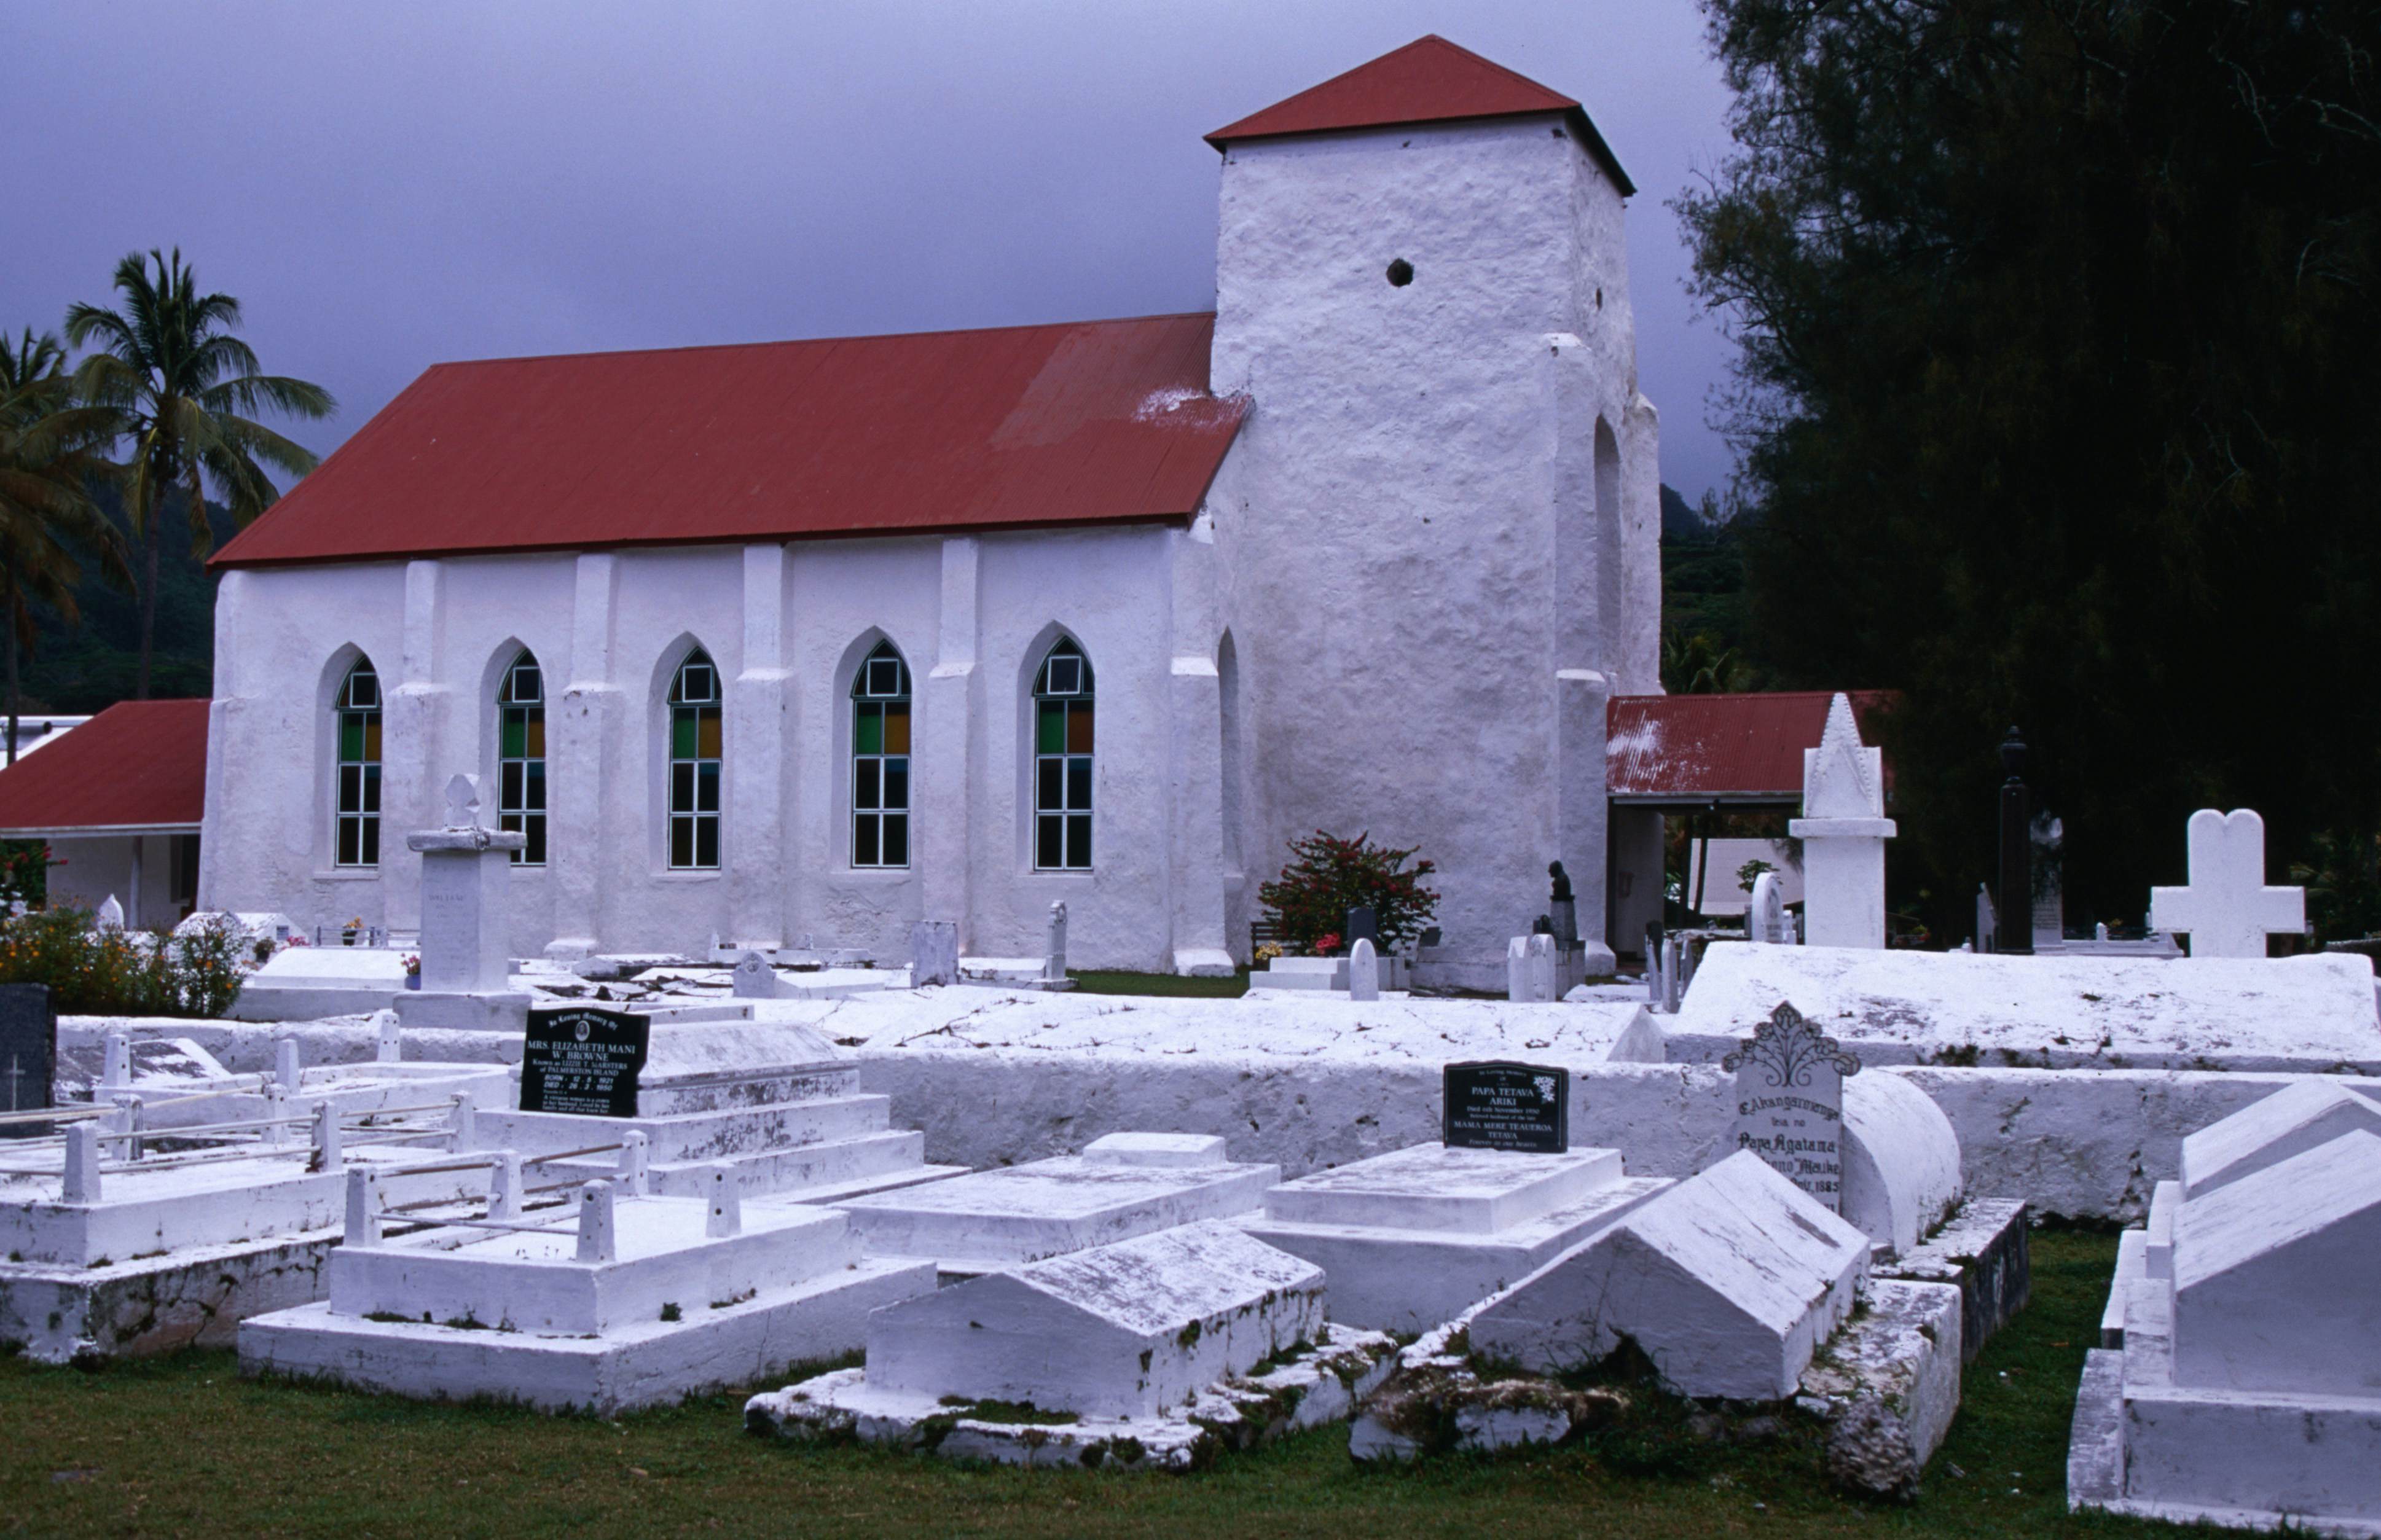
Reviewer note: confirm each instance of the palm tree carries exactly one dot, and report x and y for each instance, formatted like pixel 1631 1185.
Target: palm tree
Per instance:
pixel 51 454
pixel 182 385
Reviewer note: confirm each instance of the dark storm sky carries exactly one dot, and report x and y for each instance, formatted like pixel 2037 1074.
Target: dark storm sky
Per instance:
pixel 387 185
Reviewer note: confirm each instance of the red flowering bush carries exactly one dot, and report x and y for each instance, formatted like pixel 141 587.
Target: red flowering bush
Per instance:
pixel 1309 902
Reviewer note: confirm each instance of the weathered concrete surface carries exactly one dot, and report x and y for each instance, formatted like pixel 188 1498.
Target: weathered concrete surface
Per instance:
pixel 1890 1380
pixel 1900 1160
pixel 196 1297
pixel 1982 1251
pixel 1314 1385
pixel 2086 1145
pixel 1728 1283
pixel 2312 1014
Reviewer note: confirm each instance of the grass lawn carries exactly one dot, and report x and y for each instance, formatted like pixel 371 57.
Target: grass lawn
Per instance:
pixel 1094 981
pixel 183 1446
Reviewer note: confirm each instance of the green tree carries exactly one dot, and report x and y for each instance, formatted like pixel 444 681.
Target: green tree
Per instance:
pixel 186 390
pixel 51 456
pixel 2060 353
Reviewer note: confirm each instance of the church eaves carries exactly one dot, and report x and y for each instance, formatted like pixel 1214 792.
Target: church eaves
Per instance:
pixel 1069 425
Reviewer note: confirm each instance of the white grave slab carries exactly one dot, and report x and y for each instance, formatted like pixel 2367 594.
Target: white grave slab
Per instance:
pixel 2312 1014
pixel 2244 1384
pixel 2227 909
pixel 1121 1187
pixel 1900 1162
pixel 1137 1355
pixel 1119 1330
pixel 628 1302
pixel 2293 1120
pixel 1728 1282
pixel 1418 1236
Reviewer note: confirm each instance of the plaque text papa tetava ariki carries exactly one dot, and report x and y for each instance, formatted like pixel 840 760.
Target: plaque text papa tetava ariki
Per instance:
pixel 1506 1105
pixel 583 1060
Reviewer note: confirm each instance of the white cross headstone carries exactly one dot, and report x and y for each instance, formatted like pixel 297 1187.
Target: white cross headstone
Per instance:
pixel 1364 971
pixel 462 803
pixel 1767 923
pixel 1789 1102
pixel 110 915
pixel 2227 907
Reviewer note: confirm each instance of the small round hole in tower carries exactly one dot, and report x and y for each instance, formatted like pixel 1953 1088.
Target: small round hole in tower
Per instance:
pixel 1400 273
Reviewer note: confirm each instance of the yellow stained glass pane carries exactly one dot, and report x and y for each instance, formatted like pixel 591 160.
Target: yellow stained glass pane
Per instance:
pixel 371 739
pixel 897 727
pixel 707 743
pixel 1079 727
pixel 537 735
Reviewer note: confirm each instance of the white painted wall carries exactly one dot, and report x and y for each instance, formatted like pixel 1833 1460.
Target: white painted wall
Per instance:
pixel 89 871
pixel 787 625
pixel 1438 523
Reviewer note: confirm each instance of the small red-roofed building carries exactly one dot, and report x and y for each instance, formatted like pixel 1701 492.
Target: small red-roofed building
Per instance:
pixel 119 801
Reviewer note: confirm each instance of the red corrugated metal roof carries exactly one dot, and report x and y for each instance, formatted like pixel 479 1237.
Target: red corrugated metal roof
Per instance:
pixel 1102 421
pixel 1729 747
pixel 1428 80
pixel 138 765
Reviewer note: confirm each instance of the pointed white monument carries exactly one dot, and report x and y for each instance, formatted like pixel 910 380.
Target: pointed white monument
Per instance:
pixel 2227 908
pixel 466 878
pixel 1843 829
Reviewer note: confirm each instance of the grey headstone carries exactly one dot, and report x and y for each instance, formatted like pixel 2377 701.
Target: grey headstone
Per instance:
pixel 1362 925
pixel 754 979
pixel 933 952
pixel 29 1050
pixel 1789 1102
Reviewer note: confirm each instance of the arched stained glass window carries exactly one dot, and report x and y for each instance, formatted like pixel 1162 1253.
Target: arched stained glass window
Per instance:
pixel 356 813
pixel 694 765
pixel 880 760
pixel 521 757
pixel 1062 759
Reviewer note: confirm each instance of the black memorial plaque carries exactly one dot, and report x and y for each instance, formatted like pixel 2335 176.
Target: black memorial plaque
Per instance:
pixel 1500 1105
pixel 29 1052
pixel 583 1060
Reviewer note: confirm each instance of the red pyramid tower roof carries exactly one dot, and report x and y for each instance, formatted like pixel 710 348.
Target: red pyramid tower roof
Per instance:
pixel 1428 80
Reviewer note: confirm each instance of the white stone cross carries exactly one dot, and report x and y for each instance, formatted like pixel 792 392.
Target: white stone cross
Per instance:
pixel 462 803
pixel 2227 907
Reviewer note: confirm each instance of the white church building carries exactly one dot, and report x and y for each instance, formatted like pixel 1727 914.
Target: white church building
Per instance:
pixel 818 638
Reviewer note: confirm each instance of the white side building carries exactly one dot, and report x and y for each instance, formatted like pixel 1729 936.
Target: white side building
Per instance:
pixel 819 638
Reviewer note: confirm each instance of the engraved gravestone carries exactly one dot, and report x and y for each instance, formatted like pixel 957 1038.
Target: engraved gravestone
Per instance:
pixel 1497 1104
pixel 29 1050
pixel 579 1060
pixel 1789 1102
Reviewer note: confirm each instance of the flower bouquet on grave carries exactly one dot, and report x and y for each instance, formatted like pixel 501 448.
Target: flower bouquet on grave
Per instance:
pixel 348 931
pixel 413 970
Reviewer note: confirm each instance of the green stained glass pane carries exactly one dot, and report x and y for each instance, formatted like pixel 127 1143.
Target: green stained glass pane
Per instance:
pixel 682 736
pixel 351 738
pixel 1050 738
pixel 515 736
pixel 868 729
